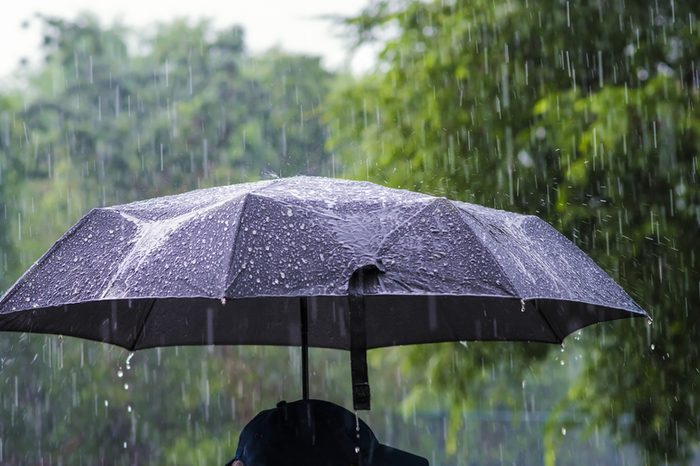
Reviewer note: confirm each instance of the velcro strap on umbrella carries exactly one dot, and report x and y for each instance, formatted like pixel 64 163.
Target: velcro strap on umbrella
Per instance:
pixel 358 353
pixel 364 279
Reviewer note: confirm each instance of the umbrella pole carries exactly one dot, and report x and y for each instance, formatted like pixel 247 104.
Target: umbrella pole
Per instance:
pixel 303 309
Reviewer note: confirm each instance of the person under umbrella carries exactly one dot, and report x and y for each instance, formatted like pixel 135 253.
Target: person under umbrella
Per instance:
pixel 314 433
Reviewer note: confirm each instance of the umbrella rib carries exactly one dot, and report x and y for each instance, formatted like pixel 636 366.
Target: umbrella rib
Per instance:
pixel 384 243
pixel 511 286
pixel 230 279
pixel 557 338
pixel 142 328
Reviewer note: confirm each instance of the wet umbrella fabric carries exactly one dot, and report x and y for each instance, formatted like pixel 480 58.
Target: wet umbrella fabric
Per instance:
pixel 236 264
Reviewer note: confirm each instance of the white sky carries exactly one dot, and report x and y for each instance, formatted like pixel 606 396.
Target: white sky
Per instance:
pixel 291 24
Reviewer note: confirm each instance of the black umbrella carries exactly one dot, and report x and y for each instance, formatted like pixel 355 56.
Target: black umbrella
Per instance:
pixel 312 262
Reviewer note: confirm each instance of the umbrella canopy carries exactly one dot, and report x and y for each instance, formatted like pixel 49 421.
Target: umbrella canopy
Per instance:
pixel 311 261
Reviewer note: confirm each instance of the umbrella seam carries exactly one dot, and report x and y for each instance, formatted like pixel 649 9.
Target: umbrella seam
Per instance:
pixel 550 325
pixel 382 247
pixel 231 278
pixel 139 337
pixel 511 285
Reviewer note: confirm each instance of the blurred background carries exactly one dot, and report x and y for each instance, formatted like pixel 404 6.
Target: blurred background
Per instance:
pixel 583 113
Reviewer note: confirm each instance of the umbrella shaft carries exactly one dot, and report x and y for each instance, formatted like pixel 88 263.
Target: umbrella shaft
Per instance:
pixel 303 309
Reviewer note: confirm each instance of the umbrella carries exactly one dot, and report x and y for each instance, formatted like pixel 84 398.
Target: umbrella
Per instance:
pixel 314 262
